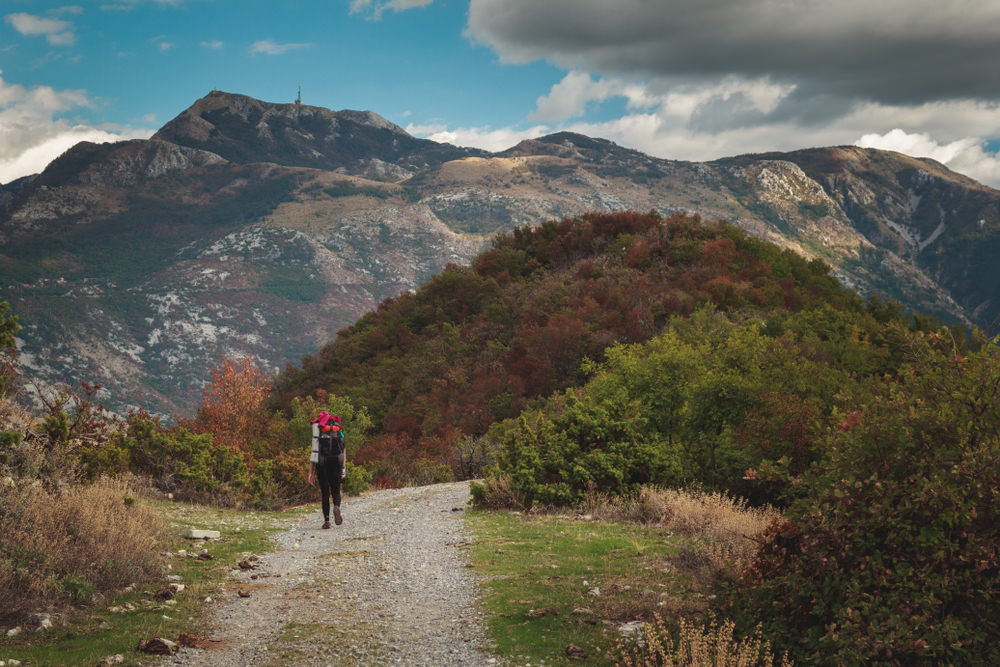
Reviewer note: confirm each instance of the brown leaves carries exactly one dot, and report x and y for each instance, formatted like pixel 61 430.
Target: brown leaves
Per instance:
pixel 157 646
pixel 232 403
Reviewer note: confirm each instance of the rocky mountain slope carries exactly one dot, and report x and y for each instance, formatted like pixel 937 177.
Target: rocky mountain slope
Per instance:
pixel 245 227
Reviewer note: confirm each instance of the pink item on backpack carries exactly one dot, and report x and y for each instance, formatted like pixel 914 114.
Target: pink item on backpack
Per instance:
pixel 323 417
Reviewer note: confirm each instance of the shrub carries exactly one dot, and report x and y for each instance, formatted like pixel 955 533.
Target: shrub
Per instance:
pixel 178 461
pixel 554 457
pixel 357 481
pixel 709 644
pixel 62 546
pixel 892 555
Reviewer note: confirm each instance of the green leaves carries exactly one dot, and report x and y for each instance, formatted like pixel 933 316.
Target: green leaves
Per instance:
pixel 894 551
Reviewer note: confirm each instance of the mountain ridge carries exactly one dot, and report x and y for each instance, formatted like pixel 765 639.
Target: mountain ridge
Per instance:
pixel 246 227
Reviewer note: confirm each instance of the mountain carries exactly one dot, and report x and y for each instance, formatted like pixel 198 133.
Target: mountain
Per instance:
pixel 246 227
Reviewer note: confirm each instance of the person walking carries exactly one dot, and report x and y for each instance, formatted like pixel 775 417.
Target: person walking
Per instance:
pixel 327 463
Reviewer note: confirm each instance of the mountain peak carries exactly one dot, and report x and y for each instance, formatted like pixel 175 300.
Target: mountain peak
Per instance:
pixel 243 129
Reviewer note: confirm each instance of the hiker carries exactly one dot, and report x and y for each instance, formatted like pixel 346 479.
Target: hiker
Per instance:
pixel 327 463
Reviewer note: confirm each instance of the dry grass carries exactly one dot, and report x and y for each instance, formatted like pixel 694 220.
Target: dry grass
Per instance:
pixel 697 645
pixel 66 544
pixel 726 527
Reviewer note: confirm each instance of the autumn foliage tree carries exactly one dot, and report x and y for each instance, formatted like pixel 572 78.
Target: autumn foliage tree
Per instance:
pixel 232 405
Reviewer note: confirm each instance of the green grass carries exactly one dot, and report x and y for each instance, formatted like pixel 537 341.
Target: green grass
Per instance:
pixel 538 572
pixel 96 631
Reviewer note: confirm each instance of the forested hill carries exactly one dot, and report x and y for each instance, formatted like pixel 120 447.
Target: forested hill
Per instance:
pixel 475 345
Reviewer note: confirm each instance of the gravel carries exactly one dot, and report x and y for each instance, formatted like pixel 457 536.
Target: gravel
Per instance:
pixel 388 586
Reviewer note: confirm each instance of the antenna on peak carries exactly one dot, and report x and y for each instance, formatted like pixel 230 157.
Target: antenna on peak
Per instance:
pixel 298 99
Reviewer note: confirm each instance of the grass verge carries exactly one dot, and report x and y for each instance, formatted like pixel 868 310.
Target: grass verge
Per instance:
pixel 554 581
pixel 115 625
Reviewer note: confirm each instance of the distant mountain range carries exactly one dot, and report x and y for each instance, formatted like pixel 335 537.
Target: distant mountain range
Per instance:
pixel 246 227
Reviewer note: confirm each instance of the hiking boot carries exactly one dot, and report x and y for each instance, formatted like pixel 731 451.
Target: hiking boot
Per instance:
pixel 337 518
pixel 326 524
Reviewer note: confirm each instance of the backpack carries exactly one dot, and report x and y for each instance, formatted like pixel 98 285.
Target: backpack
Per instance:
pixel 330 444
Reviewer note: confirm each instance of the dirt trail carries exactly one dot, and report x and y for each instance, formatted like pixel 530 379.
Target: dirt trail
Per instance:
pixel 389 586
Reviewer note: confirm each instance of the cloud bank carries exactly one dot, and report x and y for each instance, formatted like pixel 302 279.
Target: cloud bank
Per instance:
pixel 702 80
pixel 32 134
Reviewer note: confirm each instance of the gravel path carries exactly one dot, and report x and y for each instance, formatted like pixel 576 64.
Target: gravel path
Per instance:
pixel 389 586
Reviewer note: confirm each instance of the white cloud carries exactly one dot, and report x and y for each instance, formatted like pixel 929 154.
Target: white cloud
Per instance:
pixel 488 139
pixel 966 156
pixel 569 97
pixel 56 31
pixel 379 7
pixel 213 44
pixel 129 5
pixel 272 48
pixel 32 134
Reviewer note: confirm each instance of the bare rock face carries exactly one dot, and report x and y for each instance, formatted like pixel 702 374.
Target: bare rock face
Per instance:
pixel 250 228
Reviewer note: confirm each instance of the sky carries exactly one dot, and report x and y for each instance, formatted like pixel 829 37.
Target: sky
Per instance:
pixel 677 79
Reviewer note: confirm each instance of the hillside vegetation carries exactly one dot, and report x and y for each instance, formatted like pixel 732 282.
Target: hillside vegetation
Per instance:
pixel 613 352
pixel 754 336
pixel 617 356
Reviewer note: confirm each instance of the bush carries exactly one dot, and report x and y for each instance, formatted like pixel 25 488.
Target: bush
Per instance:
pixel 62 546
pixel 357 481
pixel 555 456
pixel 892 555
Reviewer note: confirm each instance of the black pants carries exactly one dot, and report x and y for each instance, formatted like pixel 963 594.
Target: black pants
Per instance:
pixel 329 484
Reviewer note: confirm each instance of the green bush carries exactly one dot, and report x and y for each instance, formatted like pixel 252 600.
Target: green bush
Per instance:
pixel 554 457
pixel 891 557
pixel 357 481
pixel 175 459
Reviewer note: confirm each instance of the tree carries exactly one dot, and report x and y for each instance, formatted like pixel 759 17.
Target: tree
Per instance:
pixel 232 405
pixel 8 350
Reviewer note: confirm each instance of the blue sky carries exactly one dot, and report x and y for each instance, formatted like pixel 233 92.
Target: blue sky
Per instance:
pixel 682 79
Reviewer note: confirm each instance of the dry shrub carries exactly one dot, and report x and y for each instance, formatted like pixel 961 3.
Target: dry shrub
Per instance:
pixel 496 493
pixel 727 527
pixel 710 644
pixel 65 545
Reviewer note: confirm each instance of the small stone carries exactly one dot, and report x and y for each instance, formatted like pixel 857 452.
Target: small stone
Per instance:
pixel 630 628
pixel 44 624
pixel 594 591
pixel 575 652
pixel 174 577
pixel 115 659
pixel 243 594
pixel 582 611
pixel 199 534
pixel 15 631
pixel 209 600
